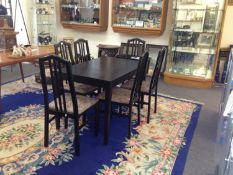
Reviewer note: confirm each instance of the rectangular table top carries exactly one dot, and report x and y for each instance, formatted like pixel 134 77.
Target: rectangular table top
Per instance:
pixel 104 70
pixel 38 52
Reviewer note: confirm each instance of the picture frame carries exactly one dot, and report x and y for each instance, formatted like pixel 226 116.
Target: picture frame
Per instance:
pixel 205 40
pixel 139 23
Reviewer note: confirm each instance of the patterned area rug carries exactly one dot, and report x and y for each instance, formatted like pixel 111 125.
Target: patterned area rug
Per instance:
pixel 158 148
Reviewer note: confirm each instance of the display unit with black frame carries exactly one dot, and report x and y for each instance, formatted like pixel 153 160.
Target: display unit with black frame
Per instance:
pixel 43 22
pixel 91 15
pixel 147 17
pixel 194 42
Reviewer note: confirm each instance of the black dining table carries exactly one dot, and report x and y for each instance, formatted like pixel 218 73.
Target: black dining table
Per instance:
pixel 105 72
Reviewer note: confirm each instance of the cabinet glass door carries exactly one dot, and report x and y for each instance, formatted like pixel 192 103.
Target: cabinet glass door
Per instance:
pixel 195 37
pixel 44 22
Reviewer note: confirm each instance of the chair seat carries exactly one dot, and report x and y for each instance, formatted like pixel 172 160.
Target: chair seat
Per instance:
pixel 144 88
pixel 119 95
pixel 84 88
pixel 84 103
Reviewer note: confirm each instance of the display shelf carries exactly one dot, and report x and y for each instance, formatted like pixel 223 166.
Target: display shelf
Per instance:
pixel 197 31
pixel 194 50
pixel 139 17
pixel 43 23
pixel 194 42
pixel 85 15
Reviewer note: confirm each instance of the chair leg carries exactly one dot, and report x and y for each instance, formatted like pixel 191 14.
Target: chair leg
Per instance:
pixel 120 109
pixel 66 122
pixel 84 119
pixel 97 119
pixel 129 123
pixel 139 113
pixel 99 90
pixel 142 100
pixel 21 71
pixel 57 122
pixel 148 113
pixel 155 104
pixel 46 130
pixel 76 136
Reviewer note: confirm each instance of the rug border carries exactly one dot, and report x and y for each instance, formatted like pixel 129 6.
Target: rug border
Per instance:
pixel 179 165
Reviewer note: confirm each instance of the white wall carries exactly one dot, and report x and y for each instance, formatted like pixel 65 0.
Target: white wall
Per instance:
pixel 19 25
pixel 227 33
pixel 109 37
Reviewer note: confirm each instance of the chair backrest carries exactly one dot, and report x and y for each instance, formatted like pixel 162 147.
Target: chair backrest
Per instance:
pixel 158 65
pixel 139 77
pixel 64 50
pixel 56 66
pixel 122 50
pixel 153 50
pixel 135 48
pixel 81 51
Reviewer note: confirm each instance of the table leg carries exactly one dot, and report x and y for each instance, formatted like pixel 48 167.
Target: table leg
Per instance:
pixel 108 98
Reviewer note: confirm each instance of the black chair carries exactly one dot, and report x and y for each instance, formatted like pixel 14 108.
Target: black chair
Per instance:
pixel 153 50
pixel 135 48
pixel 122 51
pixel 64 50
pixel 65 101
pixel 81 51
pixel 128 98
pixel 150 84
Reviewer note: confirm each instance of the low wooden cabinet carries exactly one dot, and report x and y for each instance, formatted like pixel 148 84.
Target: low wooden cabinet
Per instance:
pixel 88 15
pixel 7 39
pixel 7 33
pixel 139 17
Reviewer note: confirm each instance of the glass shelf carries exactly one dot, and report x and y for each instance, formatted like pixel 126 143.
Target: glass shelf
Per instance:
pixel 194 50
pixel 79 23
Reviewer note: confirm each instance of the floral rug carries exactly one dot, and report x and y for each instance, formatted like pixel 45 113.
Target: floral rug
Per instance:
pixel 158 148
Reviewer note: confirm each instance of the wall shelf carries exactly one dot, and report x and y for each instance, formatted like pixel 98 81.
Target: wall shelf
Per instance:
pixel 139 17
pixel 89 15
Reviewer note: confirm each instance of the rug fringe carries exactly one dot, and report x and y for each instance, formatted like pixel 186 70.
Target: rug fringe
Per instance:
pixel 182 99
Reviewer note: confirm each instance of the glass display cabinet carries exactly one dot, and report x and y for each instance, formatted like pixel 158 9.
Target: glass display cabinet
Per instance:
pixel 7 33
pixel 194 42
pixel 85 15
pixel 143 17
pixel 43 22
